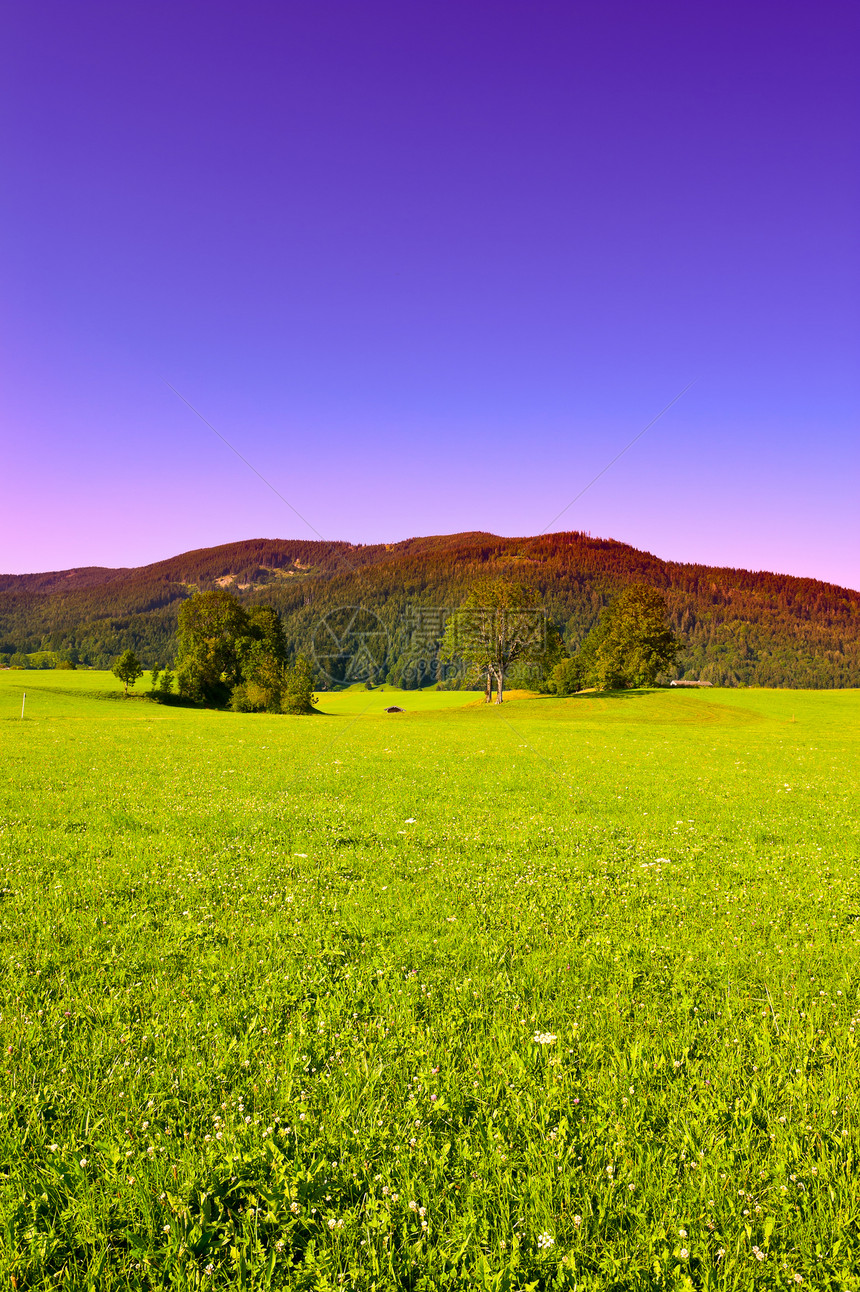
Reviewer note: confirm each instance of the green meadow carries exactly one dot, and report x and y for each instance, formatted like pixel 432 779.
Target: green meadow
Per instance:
pixel 561 994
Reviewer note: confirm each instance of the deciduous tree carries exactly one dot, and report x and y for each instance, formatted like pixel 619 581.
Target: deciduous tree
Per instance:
pixel 632 643
pixel 299 689
pixel 567 676
pixel 500 625
pixel 213 633
pixel 128 669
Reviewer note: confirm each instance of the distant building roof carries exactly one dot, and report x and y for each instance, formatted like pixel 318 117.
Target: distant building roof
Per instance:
pixel 393 709
pixel 683 682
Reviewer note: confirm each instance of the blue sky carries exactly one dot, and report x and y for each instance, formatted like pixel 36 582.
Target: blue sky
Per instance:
pixel 429 268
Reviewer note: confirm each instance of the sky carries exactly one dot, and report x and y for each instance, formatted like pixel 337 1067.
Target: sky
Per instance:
pixel 429 268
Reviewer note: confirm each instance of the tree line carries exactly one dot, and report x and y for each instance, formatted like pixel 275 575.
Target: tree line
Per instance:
pixel 235 656
pixel 736 626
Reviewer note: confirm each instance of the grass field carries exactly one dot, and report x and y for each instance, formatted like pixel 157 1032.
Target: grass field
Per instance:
pixel 557 995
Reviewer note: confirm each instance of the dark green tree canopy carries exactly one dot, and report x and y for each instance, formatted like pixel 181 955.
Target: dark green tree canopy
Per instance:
pixel 214 636
pixel 299 687
pixel 128 669
pixel 632 642
pixel 567 676
pixel 237 654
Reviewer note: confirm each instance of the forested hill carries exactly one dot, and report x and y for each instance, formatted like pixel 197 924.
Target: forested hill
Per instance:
pixel 738 626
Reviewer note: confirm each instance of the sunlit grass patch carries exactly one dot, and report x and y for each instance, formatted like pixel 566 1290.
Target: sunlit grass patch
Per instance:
pixel 277 993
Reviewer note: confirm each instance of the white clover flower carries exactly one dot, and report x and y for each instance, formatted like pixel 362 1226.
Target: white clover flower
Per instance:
pixel 683 1253
pixel 545 1241
pixel 545 1038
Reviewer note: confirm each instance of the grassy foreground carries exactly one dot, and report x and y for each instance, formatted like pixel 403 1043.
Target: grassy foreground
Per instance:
pixel 561 995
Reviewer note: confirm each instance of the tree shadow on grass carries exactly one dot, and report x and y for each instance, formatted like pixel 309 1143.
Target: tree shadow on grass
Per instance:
pixel 584 697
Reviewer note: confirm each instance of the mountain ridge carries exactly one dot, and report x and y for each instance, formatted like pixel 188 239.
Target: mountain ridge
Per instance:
pixel 739 626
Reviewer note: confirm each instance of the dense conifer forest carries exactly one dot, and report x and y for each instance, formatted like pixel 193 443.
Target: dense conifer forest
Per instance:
pixel 737 627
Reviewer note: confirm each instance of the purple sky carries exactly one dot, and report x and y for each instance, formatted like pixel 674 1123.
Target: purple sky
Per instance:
pixel 429 267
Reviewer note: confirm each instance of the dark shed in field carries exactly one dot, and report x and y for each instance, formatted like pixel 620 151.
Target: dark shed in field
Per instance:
pixel 393 709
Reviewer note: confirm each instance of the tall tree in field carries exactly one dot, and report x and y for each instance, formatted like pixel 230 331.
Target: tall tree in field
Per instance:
pixel 632 643
pixel 128 669
pixel 263 646
pixel 264 658
pixel 501 624
pixel 299 687
pixel 213 638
